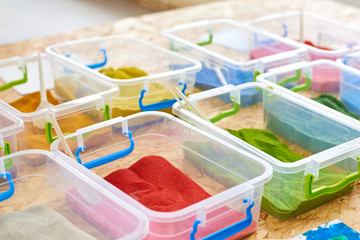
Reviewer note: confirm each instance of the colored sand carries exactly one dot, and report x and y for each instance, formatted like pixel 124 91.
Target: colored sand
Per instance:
pixel 283 196
pixel 39 222
pixel 158 185
pixel 284 191
pixel 123 73
pixel 127 102
pixel 267 142
pixel 307 42
pixel 332 102
pixel 30 102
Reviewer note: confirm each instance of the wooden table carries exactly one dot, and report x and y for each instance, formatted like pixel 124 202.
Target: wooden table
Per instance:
pixel 149 27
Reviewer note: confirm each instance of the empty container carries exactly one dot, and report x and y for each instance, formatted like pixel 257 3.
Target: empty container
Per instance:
pixel 61 203
pixel 326 145
pixel 233 178
pixel 337 91
pixel 231 52
pixel 139 91
pixel 33 86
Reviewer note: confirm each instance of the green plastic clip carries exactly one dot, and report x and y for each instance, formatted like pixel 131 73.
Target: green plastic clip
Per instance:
pixel 256 73
pixel 48 132
pixel 16 82
pixel 209 41
pixel 291 79
pixel 302 87
pixel 7 150
pixel 226 113
pixel 311 194
pixel 106 112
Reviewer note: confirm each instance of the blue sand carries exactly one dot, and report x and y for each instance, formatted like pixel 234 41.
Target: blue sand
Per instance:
pixel 338 231
pixel 350 92
pixel 207 79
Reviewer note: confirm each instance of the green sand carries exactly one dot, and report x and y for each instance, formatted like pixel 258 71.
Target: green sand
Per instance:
pixel 267 142
pixel 283 196
pixel 332 102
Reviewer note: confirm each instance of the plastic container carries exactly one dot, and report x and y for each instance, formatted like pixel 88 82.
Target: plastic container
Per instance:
pixel 10 128
pixel 138 94
pixel 231 52
pixel 80 200
pixel 328 143
pixel 82 99
pixel 299 77
pixel 351 60
pixel 234 178
pixel 325 38
pixel 330 39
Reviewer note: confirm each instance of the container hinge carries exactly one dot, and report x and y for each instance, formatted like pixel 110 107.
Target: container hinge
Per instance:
pixel 312 167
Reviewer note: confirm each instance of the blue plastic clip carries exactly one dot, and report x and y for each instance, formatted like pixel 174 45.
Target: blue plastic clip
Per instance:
pixel 109 158
pixel 159 105
pixel 230 230
pixel 95 65
pixel 8 194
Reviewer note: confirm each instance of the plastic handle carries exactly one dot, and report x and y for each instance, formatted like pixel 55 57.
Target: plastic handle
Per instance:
pixel 311 194
pixel 16 82
pixel 226 113
pixel 209 41
pixel 290 79
pixel 159 105
pixel 48 132
pixel 230 230
pixel 8 194
pixel 268 41
pixel 8 162
pixel 96 65
pixel 109 158
pixel 302 87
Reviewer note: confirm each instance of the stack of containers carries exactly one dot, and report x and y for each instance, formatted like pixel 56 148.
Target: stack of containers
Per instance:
pixel 233 178
pixel 54 201
pixel 327 145
pixel 324 38
pixel 339 92
pixel 35 85
pixel 230 52
pixel 165 70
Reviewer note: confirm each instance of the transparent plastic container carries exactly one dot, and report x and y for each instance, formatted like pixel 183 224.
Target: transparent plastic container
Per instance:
pixel 328 144
pixel 231 52
pixel 10 128
pixel 325 38
pixel 165 70
pixel 319 79
pixel 233 178
pixel 351 60
pixel 85 204
pixel 77 98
